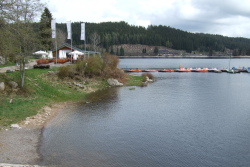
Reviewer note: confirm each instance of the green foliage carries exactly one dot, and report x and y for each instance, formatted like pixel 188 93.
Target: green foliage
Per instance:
pixel 94 67
pixel 45 29
pixel 104 66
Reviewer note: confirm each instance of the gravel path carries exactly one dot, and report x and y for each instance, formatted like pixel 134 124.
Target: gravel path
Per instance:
pixel 30 66
pixel 20 144
pixel 13 68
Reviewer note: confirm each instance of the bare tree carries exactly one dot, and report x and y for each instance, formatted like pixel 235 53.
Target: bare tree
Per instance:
pixel 19 15
pixel 95 41
pixel 60 38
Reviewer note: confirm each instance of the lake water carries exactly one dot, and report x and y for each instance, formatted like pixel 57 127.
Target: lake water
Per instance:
pixel 182 119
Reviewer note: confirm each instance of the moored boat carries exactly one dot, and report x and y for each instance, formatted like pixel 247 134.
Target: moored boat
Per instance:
pixel 150 70
pixel 248 69
pixel 134 70
pixel 166 70
pixel 182 69
pixel 212 69
pixel 201 69
pixel 231 71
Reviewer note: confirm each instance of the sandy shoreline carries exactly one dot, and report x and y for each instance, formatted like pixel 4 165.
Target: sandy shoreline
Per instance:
pixel 20 145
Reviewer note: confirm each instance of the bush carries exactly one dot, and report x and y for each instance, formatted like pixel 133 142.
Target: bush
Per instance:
pixel 104 66
pixel 81 66
pixel 94 66
pixel 110 61
pixel 145 75
pixel 67 71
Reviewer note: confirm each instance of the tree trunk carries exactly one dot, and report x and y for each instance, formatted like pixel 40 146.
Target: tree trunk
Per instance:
pixel 22 70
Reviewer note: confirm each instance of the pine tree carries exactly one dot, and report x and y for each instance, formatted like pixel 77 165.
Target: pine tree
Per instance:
pixel 45 29
pixel 156 50
pixel 112 50
pixel 121 51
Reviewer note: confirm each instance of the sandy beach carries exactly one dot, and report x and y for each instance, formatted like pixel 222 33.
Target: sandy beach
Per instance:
pixel 19 145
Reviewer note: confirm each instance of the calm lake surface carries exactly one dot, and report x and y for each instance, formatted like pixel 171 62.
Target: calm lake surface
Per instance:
pixel 182 119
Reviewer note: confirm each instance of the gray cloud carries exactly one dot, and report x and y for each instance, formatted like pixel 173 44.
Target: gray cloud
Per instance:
pixel 230 18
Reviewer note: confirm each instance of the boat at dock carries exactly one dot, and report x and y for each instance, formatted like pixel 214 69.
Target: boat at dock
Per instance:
pixel 248 69
pixel 214 70
pixel 150 70
pixel 231 71
pixel 166 70
pixel 201 70
pixel 134 70
pixel 182 69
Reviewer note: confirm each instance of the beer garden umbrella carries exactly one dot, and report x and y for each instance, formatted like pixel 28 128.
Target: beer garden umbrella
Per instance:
pixel 40 52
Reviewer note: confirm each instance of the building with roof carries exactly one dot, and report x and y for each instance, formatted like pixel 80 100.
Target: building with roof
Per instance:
pixel 64 50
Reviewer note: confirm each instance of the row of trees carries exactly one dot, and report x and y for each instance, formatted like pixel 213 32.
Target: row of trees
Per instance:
pixel 116 33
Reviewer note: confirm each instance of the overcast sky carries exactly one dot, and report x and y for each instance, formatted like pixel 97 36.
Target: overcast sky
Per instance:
pixel 224 17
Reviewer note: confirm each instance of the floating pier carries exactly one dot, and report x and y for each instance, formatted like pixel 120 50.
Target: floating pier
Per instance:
pixel 215 70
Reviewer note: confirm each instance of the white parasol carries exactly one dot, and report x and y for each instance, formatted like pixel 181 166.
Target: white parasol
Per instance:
pixel 76 53
pixel 42 53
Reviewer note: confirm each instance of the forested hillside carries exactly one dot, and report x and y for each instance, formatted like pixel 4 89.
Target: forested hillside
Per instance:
pixel 117 33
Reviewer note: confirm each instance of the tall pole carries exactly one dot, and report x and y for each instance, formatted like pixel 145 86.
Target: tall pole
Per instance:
pixel 83 36
pixel 69 34
pixel 56 51
pixel 53 28
pixel 71 41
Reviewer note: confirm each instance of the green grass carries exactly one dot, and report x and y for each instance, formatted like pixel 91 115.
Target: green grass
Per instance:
pixel 39 92
pixel 42 93
pixel 7 65
pixel 134 80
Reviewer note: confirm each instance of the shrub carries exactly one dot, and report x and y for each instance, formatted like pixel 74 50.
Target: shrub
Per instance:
pixel 94 66
pixel 104 66
pixel 67 71
pixel 110 61
pixel 81 66
pixel 145 75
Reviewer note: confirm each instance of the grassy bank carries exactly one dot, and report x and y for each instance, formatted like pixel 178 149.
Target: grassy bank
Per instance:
pixel 41 90
pixel 7 65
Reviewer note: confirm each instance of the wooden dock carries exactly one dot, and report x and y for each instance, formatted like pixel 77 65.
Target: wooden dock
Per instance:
pixel 184 70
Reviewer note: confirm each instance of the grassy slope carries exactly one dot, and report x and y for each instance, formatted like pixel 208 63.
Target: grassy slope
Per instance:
pixel 43 92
